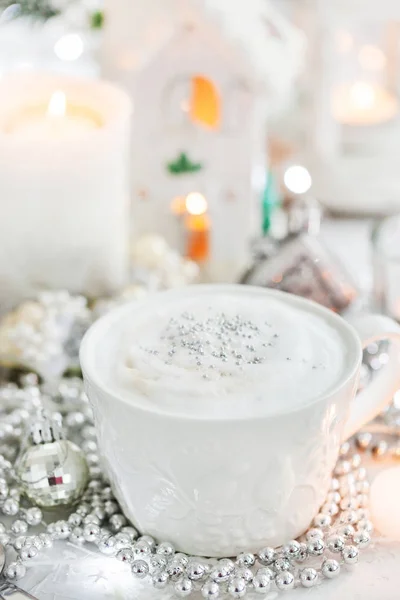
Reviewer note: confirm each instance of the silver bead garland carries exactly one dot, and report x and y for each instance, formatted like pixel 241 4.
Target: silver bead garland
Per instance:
pixel 332 543
pixel 339 531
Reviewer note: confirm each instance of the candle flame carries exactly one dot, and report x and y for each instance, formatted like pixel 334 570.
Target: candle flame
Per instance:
pixel 196 204
pixel 58 104
pixel 362 95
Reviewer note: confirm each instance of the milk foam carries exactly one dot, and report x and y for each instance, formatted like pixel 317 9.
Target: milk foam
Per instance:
pixel 227 354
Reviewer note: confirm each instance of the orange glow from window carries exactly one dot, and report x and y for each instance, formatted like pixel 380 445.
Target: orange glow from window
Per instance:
pixel 204 103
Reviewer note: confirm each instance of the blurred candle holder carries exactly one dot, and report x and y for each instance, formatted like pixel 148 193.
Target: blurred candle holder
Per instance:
pixel 353 118
pixel 386 266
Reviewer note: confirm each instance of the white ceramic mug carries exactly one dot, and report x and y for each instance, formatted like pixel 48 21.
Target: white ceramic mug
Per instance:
pixel 215 488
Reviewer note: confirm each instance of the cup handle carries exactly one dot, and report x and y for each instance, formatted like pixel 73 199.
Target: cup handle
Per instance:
pixel 379 393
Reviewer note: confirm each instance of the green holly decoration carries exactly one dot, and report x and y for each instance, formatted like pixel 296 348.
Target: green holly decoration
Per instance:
pixel 183 165
pixel 97 19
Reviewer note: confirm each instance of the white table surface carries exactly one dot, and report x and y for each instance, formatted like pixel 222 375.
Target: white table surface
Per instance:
pixel 70 573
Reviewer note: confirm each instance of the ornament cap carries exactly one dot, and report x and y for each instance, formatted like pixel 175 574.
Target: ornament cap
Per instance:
pixel 47 428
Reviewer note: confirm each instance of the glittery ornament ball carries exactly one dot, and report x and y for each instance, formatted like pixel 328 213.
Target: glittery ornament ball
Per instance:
pixel 53 474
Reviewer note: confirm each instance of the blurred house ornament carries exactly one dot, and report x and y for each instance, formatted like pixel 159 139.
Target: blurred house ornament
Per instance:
pixel 204 77
pixel 301 265
pixel 353 114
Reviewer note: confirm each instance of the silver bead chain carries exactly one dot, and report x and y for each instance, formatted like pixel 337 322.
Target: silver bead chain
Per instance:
pixel 338 532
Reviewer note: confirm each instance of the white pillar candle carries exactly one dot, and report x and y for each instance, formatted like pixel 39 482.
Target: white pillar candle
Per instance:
pixel 384 503
pixel 64 186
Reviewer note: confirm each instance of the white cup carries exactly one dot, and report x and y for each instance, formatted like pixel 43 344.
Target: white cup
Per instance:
pixel 219 487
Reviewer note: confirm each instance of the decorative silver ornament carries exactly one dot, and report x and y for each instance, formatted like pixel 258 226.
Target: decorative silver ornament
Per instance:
pixel 244 573
pixel 19 527
pixel 141 548
pixel 362 538
pixel 237 587
pixel 53 471
pixel 308 577
pixel 322 521
pixel 267 555
pixel 261 583
pixel 10 507
pixel 108 546
pixel 28 552
pixel 350 555
pixel 335 543
pixel 281 564
pixel 210 590
pixel 91 533
pixel 140 569
pixel 285 581
pixel 175 569
pixel 316 547
pixel 117 522
pixel 330 568
pixel 165 549
pixel 125 555
pixel 157 563
pixel 346 531
pixel 245 559
pixel 183 587
pixel 15 571
pixel 195 570
pixel 77 536
pixel 160 580
pixel 33 516
pixel 222 571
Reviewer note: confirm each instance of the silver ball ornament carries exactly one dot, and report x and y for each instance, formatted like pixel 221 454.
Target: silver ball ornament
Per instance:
pixel 14 571
pixel 19 527
pixel 10 507
pixel 195 570
pixel 330 568
pixel 261 583
pixel 33 516
pixel 28 552
pixel 165 549
pixel 281 564
pixel 157 563
pixel 244 573
pixel 92 533
pixel 361 538
pixel 210 590
pixel 183 587
pixel 285 581
pixel 53 474
pixel 125 555
pixel 142 548
pixel 266 556
pixel 335 543
pixel 350 555
pixel 140 569
pixel 237 587
pixel 160 580
pixel 245 559
pixel 308 577
pixel 108 546
pixel 322 520
pixel 316 547
pixel 77 536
